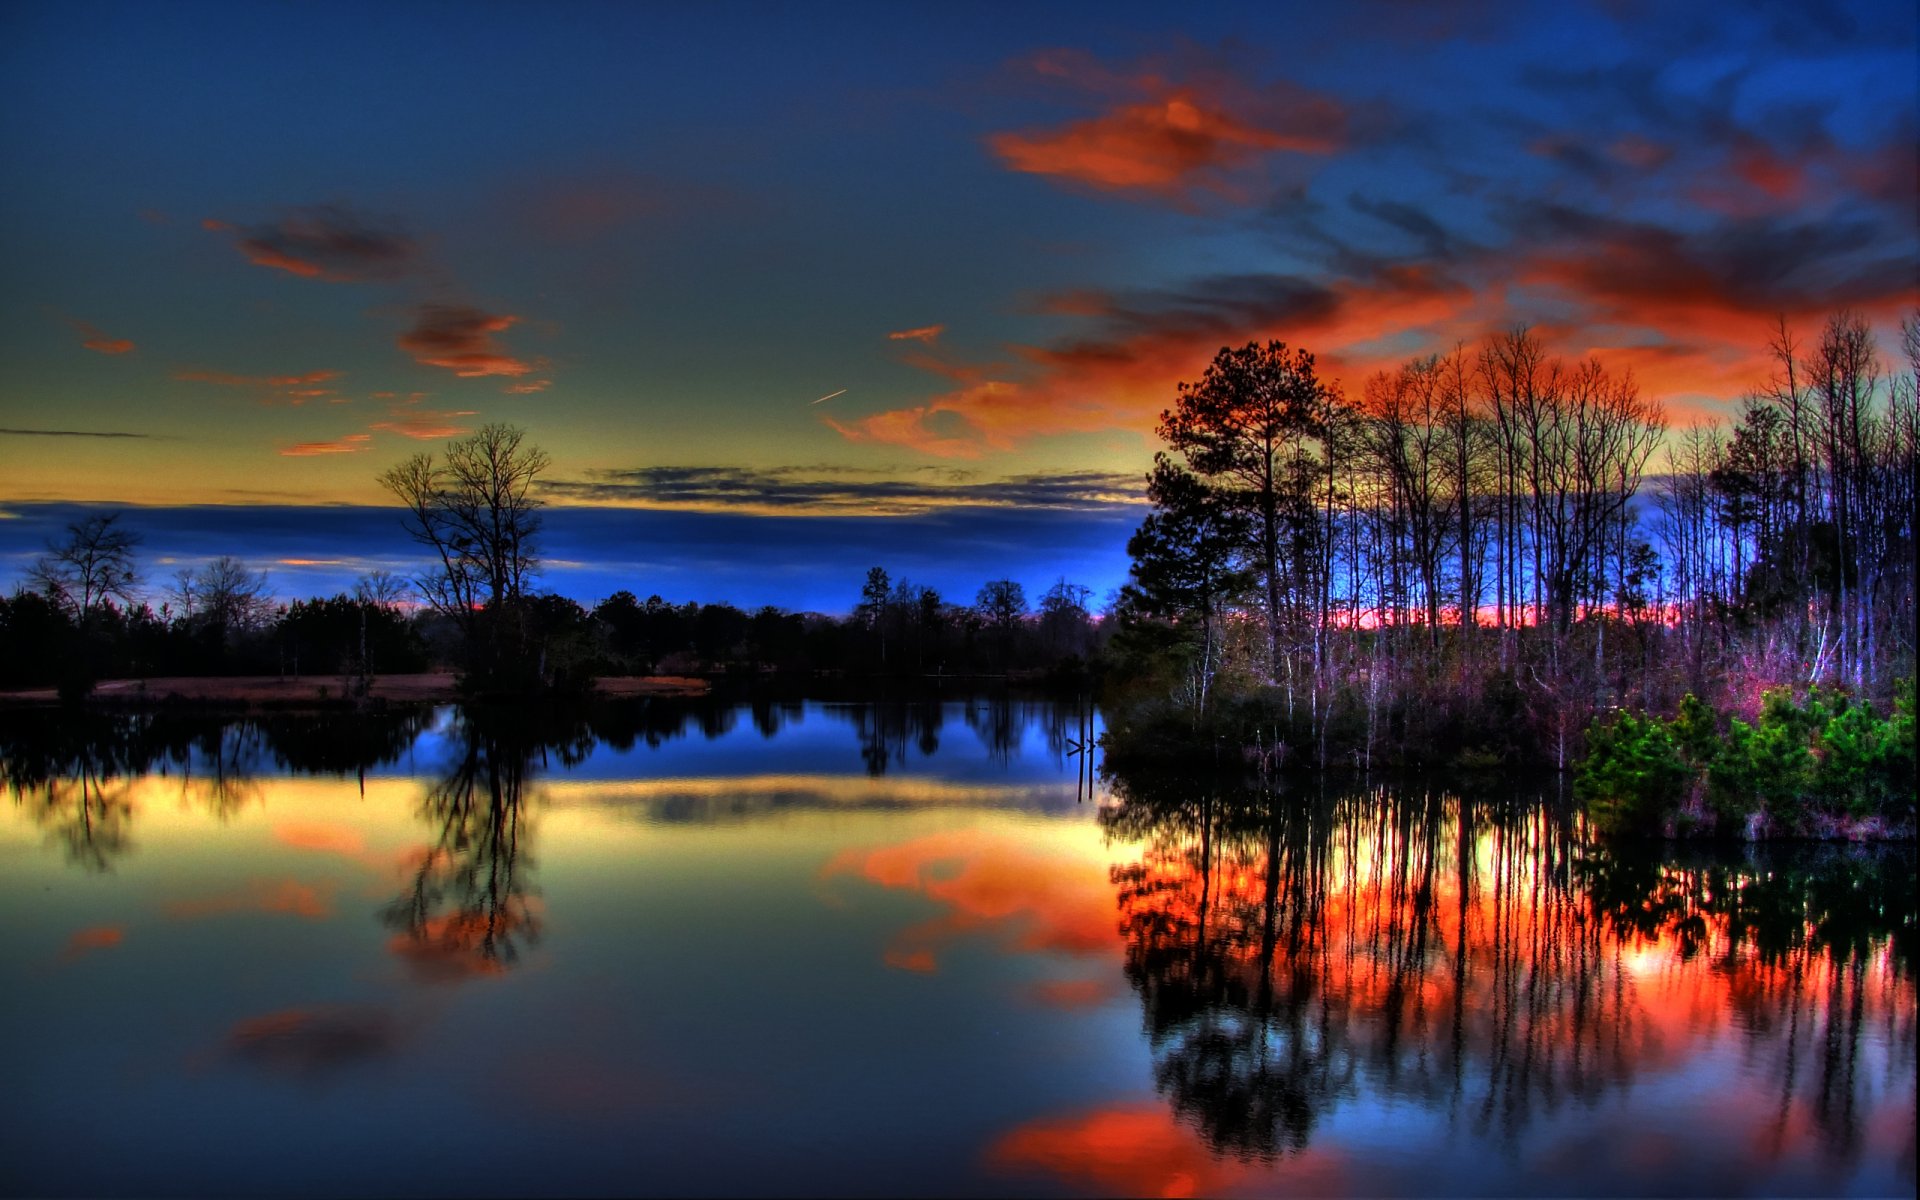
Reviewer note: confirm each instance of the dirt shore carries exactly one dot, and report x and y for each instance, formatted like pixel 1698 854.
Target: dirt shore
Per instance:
pixel 287 691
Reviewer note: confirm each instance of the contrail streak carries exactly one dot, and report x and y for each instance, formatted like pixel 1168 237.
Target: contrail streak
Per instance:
pixel 830 395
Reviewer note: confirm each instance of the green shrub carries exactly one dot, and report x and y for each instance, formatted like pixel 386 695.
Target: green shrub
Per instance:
pixel 1633 777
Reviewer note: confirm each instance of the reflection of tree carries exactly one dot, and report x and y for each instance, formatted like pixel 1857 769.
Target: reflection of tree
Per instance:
pixel 888 729
pixel 341 742
pixel 468 909
pixel 87 813
pixel 994 721
pixel 74 773
pixel 1476 957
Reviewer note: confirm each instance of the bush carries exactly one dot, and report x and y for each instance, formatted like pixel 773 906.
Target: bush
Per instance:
pixel 1633 777
pixel 1810 762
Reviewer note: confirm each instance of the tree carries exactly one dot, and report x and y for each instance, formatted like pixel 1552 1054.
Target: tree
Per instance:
pixel 475 509
pixel 1002 602
pixel 223 598
pixel 1248 428
pixel 1188 558
pixel 92 566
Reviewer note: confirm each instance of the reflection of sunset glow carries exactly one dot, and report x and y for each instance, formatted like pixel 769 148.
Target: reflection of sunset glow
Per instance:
pixel 1031 898
pixel 1141 1150
pixel 97 937
pixel 458 945
pixel 1454 955
pixel 290 896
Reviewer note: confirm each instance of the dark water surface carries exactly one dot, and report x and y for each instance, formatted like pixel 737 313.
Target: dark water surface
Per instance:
pixel 842 949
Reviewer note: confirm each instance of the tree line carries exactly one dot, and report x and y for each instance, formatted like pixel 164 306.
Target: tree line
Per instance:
pixel 1487 547
pixel 474 608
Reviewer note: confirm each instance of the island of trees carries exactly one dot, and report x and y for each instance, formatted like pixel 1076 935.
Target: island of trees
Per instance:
pixel 1482 557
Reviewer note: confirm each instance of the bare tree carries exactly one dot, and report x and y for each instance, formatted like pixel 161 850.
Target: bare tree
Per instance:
pixel 475 509
pixel 93 565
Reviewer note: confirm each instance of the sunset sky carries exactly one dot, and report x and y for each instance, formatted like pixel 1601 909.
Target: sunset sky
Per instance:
pixel 256 254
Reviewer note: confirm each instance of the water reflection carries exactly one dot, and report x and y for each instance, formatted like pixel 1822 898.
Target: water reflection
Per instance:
pixel 469 907
pixel 1295 952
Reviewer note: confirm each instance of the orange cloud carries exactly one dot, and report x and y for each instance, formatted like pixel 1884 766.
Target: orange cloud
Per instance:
pixel 1124 375
pixel 926 334
pixel 991 885
pixel 99 342
pixel 329 242
pixel 295 390
pixel 528 388
pixel 94 937
pixel 461 339
pixel 352 443
pixel 1164 138
pixel 288 896
pixel 425 424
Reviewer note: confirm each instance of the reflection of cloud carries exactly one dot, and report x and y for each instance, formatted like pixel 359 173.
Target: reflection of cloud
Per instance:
pixel 288 896
pixel 845 490
pixel 94 937
pixel 1032 899
pixel 329 242
pixel 461 339
pixel 461 945
pixel 1141 1150
pixel 314 1042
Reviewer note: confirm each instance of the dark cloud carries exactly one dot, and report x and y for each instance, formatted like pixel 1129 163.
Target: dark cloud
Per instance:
pixel 1436 242
pixel 77 433
pixel 1133 322
pixel 329 241
pixel 845 491
pixel 1759 265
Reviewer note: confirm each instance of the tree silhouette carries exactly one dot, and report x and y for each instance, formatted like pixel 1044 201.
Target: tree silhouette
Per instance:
pixel 475 509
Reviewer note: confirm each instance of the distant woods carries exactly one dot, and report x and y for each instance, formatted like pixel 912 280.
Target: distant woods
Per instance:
pixel 475 608
pixel 1486 548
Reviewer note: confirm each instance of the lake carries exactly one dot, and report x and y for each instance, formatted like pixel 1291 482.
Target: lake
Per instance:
pixel 695 948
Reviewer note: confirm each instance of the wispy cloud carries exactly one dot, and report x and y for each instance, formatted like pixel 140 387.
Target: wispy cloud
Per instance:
pixel 461 339
pixel 98 341
pixel 330 242
pixel 925 334
pixel 424 424
pixel 294 390
pixel 352 443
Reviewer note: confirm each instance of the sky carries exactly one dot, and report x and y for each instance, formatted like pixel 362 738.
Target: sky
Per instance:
pixel 791 291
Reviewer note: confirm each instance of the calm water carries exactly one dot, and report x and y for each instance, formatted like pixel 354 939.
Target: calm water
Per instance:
pixel 898 950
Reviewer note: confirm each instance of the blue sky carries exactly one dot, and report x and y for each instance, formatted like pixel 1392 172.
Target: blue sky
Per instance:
pixel 275 249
